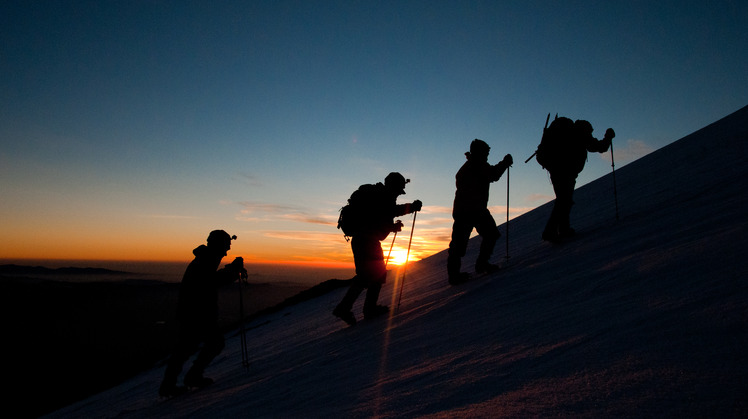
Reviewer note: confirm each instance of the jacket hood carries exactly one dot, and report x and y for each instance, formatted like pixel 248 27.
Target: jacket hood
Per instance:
pixel 201 250
pixel 207 251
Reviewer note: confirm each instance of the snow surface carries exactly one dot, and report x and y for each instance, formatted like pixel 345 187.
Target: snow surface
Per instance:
pixel 645 316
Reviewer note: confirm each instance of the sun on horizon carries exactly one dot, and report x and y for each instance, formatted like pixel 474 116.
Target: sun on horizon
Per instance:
pixel 398 256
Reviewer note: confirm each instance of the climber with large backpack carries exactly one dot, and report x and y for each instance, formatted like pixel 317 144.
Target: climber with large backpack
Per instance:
pixel 368 219
pixel 563 153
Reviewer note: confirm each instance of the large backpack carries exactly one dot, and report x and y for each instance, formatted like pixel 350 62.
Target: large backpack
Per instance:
pixel 355 216
pixel 556 143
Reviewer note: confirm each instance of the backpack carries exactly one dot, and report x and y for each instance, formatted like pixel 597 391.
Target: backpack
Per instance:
pixel 354 216
pixel 555 143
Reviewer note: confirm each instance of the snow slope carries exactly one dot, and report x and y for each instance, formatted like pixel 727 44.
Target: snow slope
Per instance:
pixel 645 316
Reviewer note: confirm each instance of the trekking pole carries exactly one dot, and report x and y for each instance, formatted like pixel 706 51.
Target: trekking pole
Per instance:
pixel 615 188
pixel 407 254
pixel 546 127
pixel 242 330
pixel 390 252
pixel 507 215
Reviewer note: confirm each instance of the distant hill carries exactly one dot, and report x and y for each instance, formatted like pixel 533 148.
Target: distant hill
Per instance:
pixel 20 270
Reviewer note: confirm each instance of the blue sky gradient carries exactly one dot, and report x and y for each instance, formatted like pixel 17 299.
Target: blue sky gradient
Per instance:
pixel 129 130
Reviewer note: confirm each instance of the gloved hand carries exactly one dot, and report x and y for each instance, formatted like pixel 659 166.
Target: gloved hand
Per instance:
pixel 416 205
pixel 238 263
pixel 609 134
pixel 397 226
pixel 238 266
pixel 508 160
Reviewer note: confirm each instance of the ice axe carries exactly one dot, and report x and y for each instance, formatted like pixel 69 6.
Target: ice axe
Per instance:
pixel 546 127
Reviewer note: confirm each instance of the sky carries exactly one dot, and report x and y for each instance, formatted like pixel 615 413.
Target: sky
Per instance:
pixel 130 130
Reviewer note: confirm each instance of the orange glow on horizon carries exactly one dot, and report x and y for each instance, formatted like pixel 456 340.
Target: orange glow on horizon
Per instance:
pixel 323 263
pixel 332 254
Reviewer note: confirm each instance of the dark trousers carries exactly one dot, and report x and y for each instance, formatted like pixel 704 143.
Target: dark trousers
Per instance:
pixel 191 335
pixel 463 225
pixel 371 273
pixel 357 287
pixel 559 223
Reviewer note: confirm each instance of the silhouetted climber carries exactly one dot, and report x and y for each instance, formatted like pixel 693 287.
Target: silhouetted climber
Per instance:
pixel 197 312
pixel 563 152
pixel 470 210
pixel 370 220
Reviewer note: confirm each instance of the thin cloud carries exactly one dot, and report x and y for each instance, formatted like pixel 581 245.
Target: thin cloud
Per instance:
pixel 252 207
pixel 301 235
pixel 630 151
pixel 434 221
pixel 539 197
pixel 310 219
pixel 435 209
pixel 248 179
pixel 260 211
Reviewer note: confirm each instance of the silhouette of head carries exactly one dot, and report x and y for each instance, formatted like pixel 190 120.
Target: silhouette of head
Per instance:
pixel 478 150
pixel 220 240
pixel 583 127
pixel 396 182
